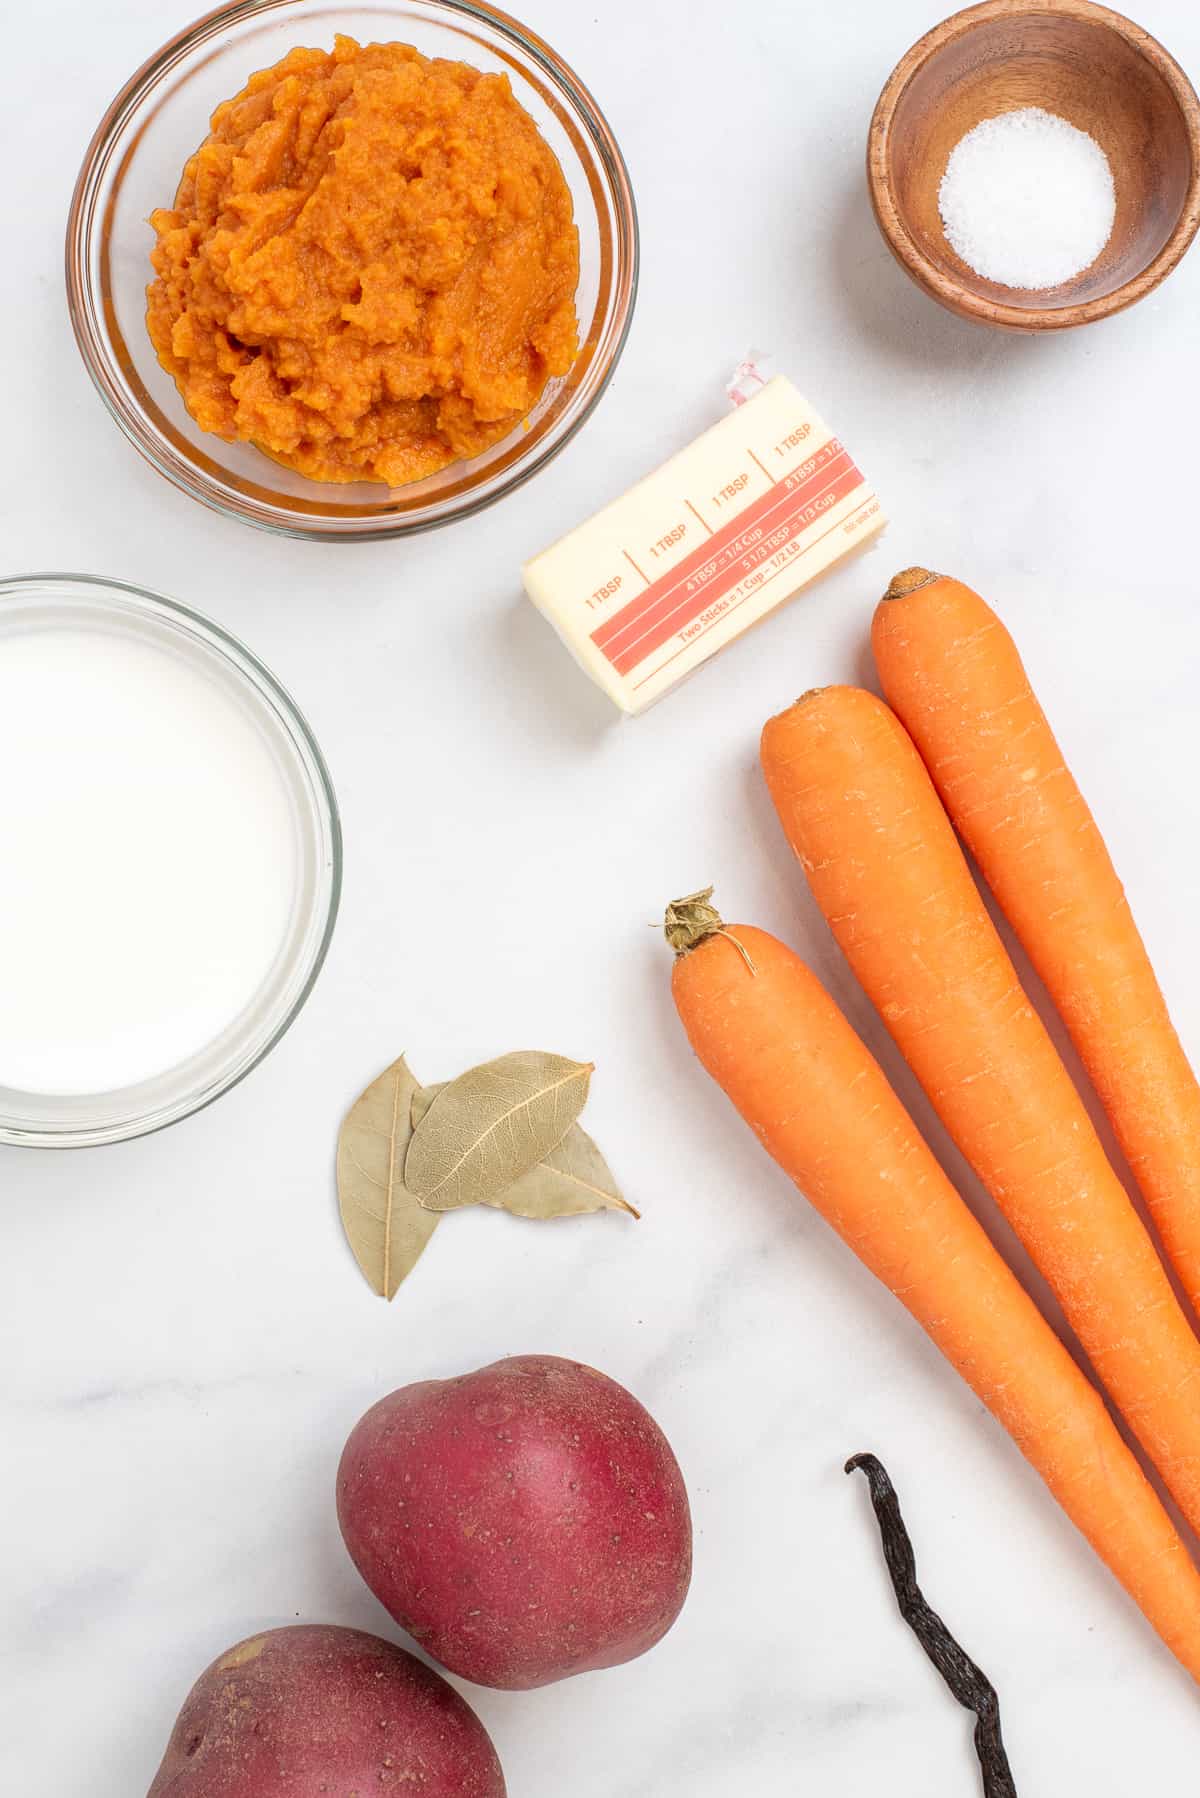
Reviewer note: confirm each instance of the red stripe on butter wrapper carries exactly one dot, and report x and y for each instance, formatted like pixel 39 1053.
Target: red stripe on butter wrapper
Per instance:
pixel 777 517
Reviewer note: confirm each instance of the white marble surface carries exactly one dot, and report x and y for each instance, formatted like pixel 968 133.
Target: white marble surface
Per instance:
pixel 184 1339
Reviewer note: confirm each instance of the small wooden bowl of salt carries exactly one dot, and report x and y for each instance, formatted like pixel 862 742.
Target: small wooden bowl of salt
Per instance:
pixel 1035 164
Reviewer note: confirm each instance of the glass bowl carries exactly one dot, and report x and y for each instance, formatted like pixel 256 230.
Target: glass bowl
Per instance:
pixel 134 163
pixel 46 602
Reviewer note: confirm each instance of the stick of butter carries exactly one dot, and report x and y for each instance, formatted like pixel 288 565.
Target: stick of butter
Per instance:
pixel 704 547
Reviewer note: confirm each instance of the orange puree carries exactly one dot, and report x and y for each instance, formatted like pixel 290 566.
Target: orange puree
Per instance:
pixel 370 267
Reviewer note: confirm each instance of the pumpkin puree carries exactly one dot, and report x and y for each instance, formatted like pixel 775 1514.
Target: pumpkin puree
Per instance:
pixel 370 267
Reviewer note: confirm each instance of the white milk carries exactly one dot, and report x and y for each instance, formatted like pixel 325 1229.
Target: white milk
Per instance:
pixel 149 859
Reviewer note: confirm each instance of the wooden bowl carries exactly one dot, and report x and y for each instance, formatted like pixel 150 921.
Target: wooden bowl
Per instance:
pixel 1093 68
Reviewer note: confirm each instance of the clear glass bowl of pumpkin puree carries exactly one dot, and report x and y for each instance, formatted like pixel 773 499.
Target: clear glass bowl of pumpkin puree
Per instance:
pixel 133 168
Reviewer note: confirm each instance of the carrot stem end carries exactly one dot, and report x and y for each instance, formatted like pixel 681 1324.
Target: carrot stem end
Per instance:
pixel 691 921
pixel 908 581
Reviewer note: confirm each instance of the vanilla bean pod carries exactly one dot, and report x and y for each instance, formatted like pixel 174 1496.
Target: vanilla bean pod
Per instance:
pixel 972 1688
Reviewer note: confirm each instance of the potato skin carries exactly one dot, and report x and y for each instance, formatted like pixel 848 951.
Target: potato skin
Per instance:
pixel 523 1523
pixel 315 1711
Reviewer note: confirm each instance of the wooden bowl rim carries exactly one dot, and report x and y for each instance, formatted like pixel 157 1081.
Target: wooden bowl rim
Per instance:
pixel 948 288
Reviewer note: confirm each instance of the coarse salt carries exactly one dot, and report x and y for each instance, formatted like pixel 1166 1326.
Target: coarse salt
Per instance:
pixel 1027 200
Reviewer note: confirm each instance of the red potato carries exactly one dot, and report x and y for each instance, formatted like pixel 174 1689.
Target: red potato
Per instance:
pixel 316 1710
pixel 524 1523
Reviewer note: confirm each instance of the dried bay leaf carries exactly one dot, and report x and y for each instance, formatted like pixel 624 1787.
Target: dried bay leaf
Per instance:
pixel 570 1181
pixel 573 1180
pixel 385 1226
pixel 423 1098
pixel 491 1125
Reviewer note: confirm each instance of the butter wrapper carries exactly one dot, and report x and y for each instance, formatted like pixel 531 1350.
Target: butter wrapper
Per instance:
pixel 709 544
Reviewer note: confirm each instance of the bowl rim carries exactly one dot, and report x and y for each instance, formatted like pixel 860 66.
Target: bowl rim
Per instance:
pixel 249 670
pixel 946 289
pixel 179 469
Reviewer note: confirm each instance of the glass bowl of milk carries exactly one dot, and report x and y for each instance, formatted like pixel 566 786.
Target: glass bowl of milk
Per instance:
pixel 170 861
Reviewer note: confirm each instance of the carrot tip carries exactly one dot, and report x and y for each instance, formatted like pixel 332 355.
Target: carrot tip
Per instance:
pixel 908 581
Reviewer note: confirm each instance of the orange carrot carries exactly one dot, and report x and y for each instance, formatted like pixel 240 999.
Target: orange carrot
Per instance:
pixel 770 1035
pixel 952 672
pixel 887 871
